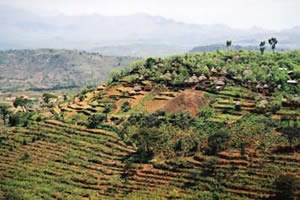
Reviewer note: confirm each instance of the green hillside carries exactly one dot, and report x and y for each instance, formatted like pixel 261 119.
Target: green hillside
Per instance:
pixel 51 69
pixel 210 126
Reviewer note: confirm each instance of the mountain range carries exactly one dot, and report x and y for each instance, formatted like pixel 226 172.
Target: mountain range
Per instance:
pixel 133 35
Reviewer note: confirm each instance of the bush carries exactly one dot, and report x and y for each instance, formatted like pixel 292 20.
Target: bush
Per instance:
pixel 25 157
pixel 149 63
pixel 95 120
pixel 209 166
pixel 125 106
pixel 181 120
pixel 13 195
pixel 149 141
pixel 186 146
pixel 20 119
pixel 286 187
pixel 216 142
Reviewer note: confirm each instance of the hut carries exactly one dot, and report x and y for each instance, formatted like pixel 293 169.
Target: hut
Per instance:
pixel 137 88
pixel 292 82
pixel 290 73
pixel 219 84
pixel 247 72
pixel 192 80
pixel 213 70
pixel 101 87
pixel 202 78
pixel 148 87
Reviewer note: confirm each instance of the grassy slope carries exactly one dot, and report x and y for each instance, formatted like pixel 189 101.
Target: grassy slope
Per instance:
pixel 55 160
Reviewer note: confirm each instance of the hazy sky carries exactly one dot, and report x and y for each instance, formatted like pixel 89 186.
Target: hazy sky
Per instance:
pixel 269 14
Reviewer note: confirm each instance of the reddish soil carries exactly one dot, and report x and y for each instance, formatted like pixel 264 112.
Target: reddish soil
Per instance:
pixel 189 100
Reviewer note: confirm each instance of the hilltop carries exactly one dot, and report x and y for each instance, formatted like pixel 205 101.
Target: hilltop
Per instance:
pixel 218 125
pixel 51 69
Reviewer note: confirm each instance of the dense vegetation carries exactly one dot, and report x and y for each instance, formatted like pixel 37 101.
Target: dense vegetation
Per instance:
pixel 246 68
pixel 219 125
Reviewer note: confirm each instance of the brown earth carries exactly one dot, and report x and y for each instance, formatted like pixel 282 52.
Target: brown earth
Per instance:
pixel 189 100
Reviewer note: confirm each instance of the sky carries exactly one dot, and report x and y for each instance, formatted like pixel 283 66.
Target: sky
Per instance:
pixel 267 14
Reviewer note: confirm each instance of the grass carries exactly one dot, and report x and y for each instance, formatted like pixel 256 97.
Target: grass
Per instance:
pixel 140 106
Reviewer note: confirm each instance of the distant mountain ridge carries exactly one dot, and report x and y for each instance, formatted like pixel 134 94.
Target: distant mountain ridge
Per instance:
pixel 214 47
pixel 22 29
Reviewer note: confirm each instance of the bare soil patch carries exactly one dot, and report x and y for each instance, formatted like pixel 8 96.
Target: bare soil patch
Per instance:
pixel 189 100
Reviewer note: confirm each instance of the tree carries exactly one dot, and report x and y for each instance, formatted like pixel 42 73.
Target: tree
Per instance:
pixel 21 102
pixel 228 44
pixel 285 118
pixel 107 109
pixel 13 194
pixel 125 106
pixel 95 120
pixel 5 111
pixel 286 187
pixel 149 62
pixel 273 41
pixel 20 119
pixel 291 133
pixel 182 120
pixel 65 97
pixel 47 97
pixel 262 47
pixel 115 75
pixel 149 141
pixel 216 142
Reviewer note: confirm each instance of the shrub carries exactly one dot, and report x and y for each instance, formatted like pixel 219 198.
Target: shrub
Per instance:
pixel 125 106
pixel 216 142
pixel 13 195
pixel 209 166
pixel 25 157
pixel 95 119
pixel 149 62
pixel 237 107
pixel 20 119
pixel 182 120
pixel 291 133
pixel 186 146
pixel 286 187
pixel 149 142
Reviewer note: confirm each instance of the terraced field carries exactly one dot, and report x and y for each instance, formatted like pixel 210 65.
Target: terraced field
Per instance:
pixel 53 160
pixel 155 139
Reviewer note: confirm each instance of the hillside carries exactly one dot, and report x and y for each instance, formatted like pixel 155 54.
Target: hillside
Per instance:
pixel 49 69
pixel 219 125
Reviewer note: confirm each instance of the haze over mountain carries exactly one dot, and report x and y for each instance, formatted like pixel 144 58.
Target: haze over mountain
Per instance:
pixel 50 69
pixel 134 35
